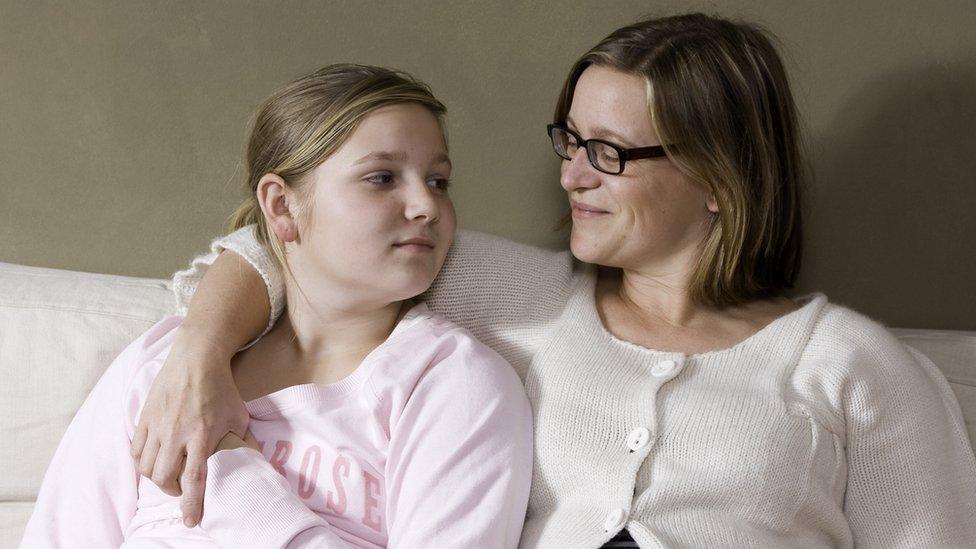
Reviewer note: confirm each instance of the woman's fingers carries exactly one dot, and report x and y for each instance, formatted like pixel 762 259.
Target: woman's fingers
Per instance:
pixel 166 471
pixel 193 482
pixel 147 460
pixel 139 439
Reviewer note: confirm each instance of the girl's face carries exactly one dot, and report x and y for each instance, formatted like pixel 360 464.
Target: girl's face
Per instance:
pixel 650 214
pixel 380 219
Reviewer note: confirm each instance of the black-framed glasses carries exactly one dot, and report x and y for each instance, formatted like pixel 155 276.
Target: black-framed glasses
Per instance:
pixel 603 155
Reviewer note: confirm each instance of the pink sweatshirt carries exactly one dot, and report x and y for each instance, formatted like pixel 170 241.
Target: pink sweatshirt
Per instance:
pixel 427 444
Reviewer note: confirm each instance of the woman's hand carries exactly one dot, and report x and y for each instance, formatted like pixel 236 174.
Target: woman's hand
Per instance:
pixel 192 405
pixel 231 441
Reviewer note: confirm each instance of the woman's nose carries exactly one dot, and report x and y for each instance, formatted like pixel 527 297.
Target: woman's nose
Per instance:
pixel 578 174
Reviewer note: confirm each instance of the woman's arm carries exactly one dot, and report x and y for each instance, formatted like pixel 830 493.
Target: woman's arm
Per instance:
pixel 503 291
pixel 911 469
pixel 194 401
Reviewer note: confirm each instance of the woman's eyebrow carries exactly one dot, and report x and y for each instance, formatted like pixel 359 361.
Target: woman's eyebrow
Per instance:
pixel 601 132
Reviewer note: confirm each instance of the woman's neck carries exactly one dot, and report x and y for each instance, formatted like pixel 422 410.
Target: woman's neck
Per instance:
pixel 665 298
pixel 658 312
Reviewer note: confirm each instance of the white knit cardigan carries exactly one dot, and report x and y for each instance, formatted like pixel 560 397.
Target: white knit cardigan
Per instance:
pixel 821 430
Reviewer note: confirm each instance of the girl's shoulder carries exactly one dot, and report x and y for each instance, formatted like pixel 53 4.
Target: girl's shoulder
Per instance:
pixel 429 351
pixel 139 363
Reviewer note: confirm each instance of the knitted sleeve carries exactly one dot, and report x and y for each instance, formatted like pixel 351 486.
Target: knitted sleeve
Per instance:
pixel 504 292
pixel 245 243
pixel 911 473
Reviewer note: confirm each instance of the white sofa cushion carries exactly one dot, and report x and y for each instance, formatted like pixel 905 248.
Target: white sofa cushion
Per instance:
pixel 59 330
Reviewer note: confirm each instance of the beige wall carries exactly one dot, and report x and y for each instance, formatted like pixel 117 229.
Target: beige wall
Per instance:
pixel 122 125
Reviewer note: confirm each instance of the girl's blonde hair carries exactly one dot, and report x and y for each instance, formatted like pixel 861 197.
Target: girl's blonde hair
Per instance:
pixel 305 122
pixel 719 99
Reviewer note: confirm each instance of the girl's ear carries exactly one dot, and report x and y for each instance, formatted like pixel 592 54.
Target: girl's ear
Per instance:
pixel 275 199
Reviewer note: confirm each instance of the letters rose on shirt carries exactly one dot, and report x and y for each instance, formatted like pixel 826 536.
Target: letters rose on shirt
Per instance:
pixel 330 483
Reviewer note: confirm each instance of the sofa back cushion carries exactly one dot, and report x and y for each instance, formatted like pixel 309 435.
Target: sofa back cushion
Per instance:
pixel 59 330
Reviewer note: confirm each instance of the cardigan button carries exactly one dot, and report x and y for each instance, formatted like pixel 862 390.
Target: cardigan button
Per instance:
pixel 615 520
pixel 663 368
pixel 638 438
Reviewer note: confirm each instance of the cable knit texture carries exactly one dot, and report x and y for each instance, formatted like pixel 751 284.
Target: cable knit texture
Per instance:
pixel 821 430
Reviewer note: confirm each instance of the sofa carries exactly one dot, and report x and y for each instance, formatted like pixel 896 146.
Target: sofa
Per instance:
pixel 60 329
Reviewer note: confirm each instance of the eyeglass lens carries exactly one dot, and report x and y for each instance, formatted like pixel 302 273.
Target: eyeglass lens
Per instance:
pixel 602 156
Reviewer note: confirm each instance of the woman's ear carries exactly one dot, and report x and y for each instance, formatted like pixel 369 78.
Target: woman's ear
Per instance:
pixel 276 201
pixel 711 203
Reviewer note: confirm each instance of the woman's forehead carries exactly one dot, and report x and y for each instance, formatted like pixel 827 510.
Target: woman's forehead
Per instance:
pixel 609 101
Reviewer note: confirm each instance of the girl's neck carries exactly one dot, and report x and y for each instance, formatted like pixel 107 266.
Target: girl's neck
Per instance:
pixel 327 334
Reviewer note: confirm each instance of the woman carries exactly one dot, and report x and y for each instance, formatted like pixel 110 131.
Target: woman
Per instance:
pixel 372 422
pixel 679 398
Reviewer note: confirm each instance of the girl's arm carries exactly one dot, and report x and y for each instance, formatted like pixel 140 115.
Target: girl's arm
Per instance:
pixel 458 471
pixel 460 458
pixel 89 492
pixel 194 401
pixel 249 504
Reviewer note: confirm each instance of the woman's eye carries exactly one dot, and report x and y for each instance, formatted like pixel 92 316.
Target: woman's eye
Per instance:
pixel 380 179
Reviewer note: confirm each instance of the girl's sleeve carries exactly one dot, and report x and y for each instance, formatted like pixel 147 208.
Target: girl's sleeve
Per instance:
pixel 89 492
pixel 460 458
pixel 911 469
pixel 458 471
pixel 244 243
pixel 248 504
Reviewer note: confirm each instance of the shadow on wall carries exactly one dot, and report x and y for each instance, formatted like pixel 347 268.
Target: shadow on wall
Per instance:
pixel 891 228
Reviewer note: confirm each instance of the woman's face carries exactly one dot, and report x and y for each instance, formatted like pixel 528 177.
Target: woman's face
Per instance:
pixel 649 217
pixel 380 219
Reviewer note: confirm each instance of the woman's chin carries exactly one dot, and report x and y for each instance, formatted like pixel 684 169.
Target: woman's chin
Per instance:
pixel 585 250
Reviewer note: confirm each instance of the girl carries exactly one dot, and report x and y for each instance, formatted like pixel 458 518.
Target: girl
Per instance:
pixel 373 422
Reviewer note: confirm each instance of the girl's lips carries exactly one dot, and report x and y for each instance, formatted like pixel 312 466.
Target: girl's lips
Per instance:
pixel 416 245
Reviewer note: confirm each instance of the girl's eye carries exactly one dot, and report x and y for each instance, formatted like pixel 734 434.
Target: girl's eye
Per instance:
pixel 380 179
pixel 440 183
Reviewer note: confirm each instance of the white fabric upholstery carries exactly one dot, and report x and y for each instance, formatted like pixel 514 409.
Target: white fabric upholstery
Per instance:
pixel 60 329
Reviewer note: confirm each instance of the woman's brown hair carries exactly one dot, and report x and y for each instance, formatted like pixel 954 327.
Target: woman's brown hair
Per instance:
pixel 719 99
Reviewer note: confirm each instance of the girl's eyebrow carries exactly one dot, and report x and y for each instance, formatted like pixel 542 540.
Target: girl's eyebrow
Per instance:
pixel 443 159
pixel 398 156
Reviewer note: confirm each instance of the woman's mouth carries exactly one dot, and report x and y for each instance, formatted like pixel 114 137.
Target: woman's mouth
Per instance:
pixel 586 211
